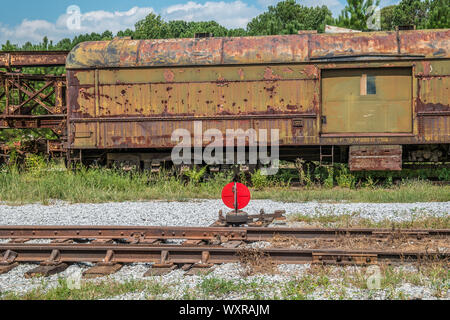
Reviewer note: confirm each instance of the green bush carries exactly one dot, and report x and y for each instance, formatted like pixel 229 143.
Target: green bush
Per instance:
pixel 259 181
pixel 345 178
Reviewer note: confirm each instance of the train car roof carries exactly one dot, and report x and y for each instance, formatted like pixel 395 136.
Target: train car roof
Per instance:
pixel 306 47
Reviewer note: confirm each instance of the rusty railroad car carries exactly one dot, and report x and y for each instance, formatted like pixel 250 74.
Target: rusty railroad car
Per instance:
pixel 373 99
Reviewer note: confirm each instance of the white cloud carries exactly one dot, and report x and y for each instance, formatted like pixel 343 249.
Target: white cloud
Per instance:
pixel 266 3
pixel 93 21
pixel 236 14
pixel 335 6
pixel 229 13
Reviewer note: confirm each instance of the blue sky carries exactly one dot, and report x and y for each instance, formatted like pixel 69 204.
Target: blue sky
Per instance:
pixel 31 20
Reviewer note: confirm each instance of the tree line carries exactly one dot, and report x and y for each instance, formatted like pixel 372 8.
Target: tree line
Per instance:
pixel 286 17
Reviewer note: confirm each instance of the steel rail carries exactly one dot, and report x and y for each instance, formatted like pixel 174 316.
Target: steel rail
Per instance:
pixel 250 234
pixel 177 254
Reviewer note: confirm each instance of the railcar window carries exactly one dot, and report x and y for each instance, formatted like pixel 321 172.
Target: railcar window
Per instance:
pixel 371 87
pixel 368 85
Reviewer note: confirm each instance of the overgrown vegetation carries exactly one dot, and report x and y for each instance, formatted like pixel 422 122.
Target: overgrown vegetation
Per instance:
pixel 417 220
pixel 88 290
pixel 317 281
pixel 37 180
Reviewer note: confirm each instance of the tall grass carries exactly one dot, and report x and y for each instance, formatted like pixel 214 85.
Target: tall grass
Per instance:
pixel 101 185
pixel 38 181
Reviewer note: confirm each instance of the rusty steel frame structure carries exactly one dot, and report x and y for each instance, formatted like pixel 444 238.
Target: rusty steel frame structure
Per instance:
pixel 22 93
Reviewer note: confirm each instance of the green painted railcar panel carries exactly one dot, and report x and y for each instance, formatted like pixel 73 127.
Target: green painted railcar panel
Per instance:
pixel 367 100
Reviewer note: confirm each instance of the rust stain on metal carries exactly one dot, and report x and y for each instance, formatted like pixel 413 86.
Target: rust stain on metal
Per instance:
pixel 384 158
pixel 32 58
pixel 148 88
pixel 269 75
pixel 241 73
pixel 426 107
pixel 169 75
pixel 311 70
pixel 257 50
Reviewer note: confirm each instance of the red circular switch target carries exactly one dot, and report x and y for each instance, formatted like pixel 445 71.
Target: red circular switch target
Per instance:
pixel 243 195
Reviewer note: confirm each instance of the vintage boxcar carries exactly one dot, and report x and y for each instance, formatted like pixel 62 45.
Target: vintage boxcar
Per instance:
pixel 374 99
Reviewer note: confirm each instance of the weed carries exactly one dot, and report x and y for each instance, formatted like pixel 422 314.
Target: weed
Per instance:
pixel 196 175
pixel 254 261
pixel 259 181
pixel 443 174
pixel 217 287
pixel 41 181
pixel 88 291
pixel 354 220
pixel 329 181
pixel 344 178
pixel 304 173
pixel 301 288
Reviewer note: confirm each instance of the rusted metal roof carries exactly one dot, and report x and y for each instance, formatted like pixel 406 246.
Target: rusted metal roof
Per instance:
pixel 32 58
pixel 260 50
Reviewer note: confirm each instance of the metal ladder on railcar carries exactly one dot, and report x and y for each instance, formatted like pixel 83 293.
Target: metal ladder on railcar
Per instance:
pixel 326 156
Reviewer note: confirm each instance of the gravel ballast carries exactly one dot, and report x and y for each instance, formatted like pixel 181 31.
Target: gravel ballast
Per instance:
pixel 199 213
pixel 204 213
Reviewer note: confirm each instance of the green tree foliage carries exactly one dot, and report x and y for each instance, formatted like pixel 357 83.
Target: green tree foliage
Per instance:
pixel 387 15
pixel 410 12
pixel 205 27
pixel 288 17
pixel 177 28
pixel 154 27
pixel 438 14
pixel 429 14
pixel 356 14
pixel 126 33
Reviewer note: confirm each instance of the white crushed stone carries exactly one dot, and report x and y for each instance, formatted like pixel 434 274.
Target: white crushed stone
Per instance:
pixel 204 213
pixel 199 213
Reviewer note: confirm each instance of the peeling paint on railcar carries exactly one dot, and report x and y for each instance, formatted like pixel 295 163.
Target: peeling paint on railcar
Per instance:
pixel 256 50
pixel 258 82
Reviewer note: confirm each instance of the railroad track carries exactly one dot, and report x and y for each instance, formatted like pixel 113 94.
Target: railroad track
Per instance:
pixel 148 235
pixel 55 258
pixel 109 247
